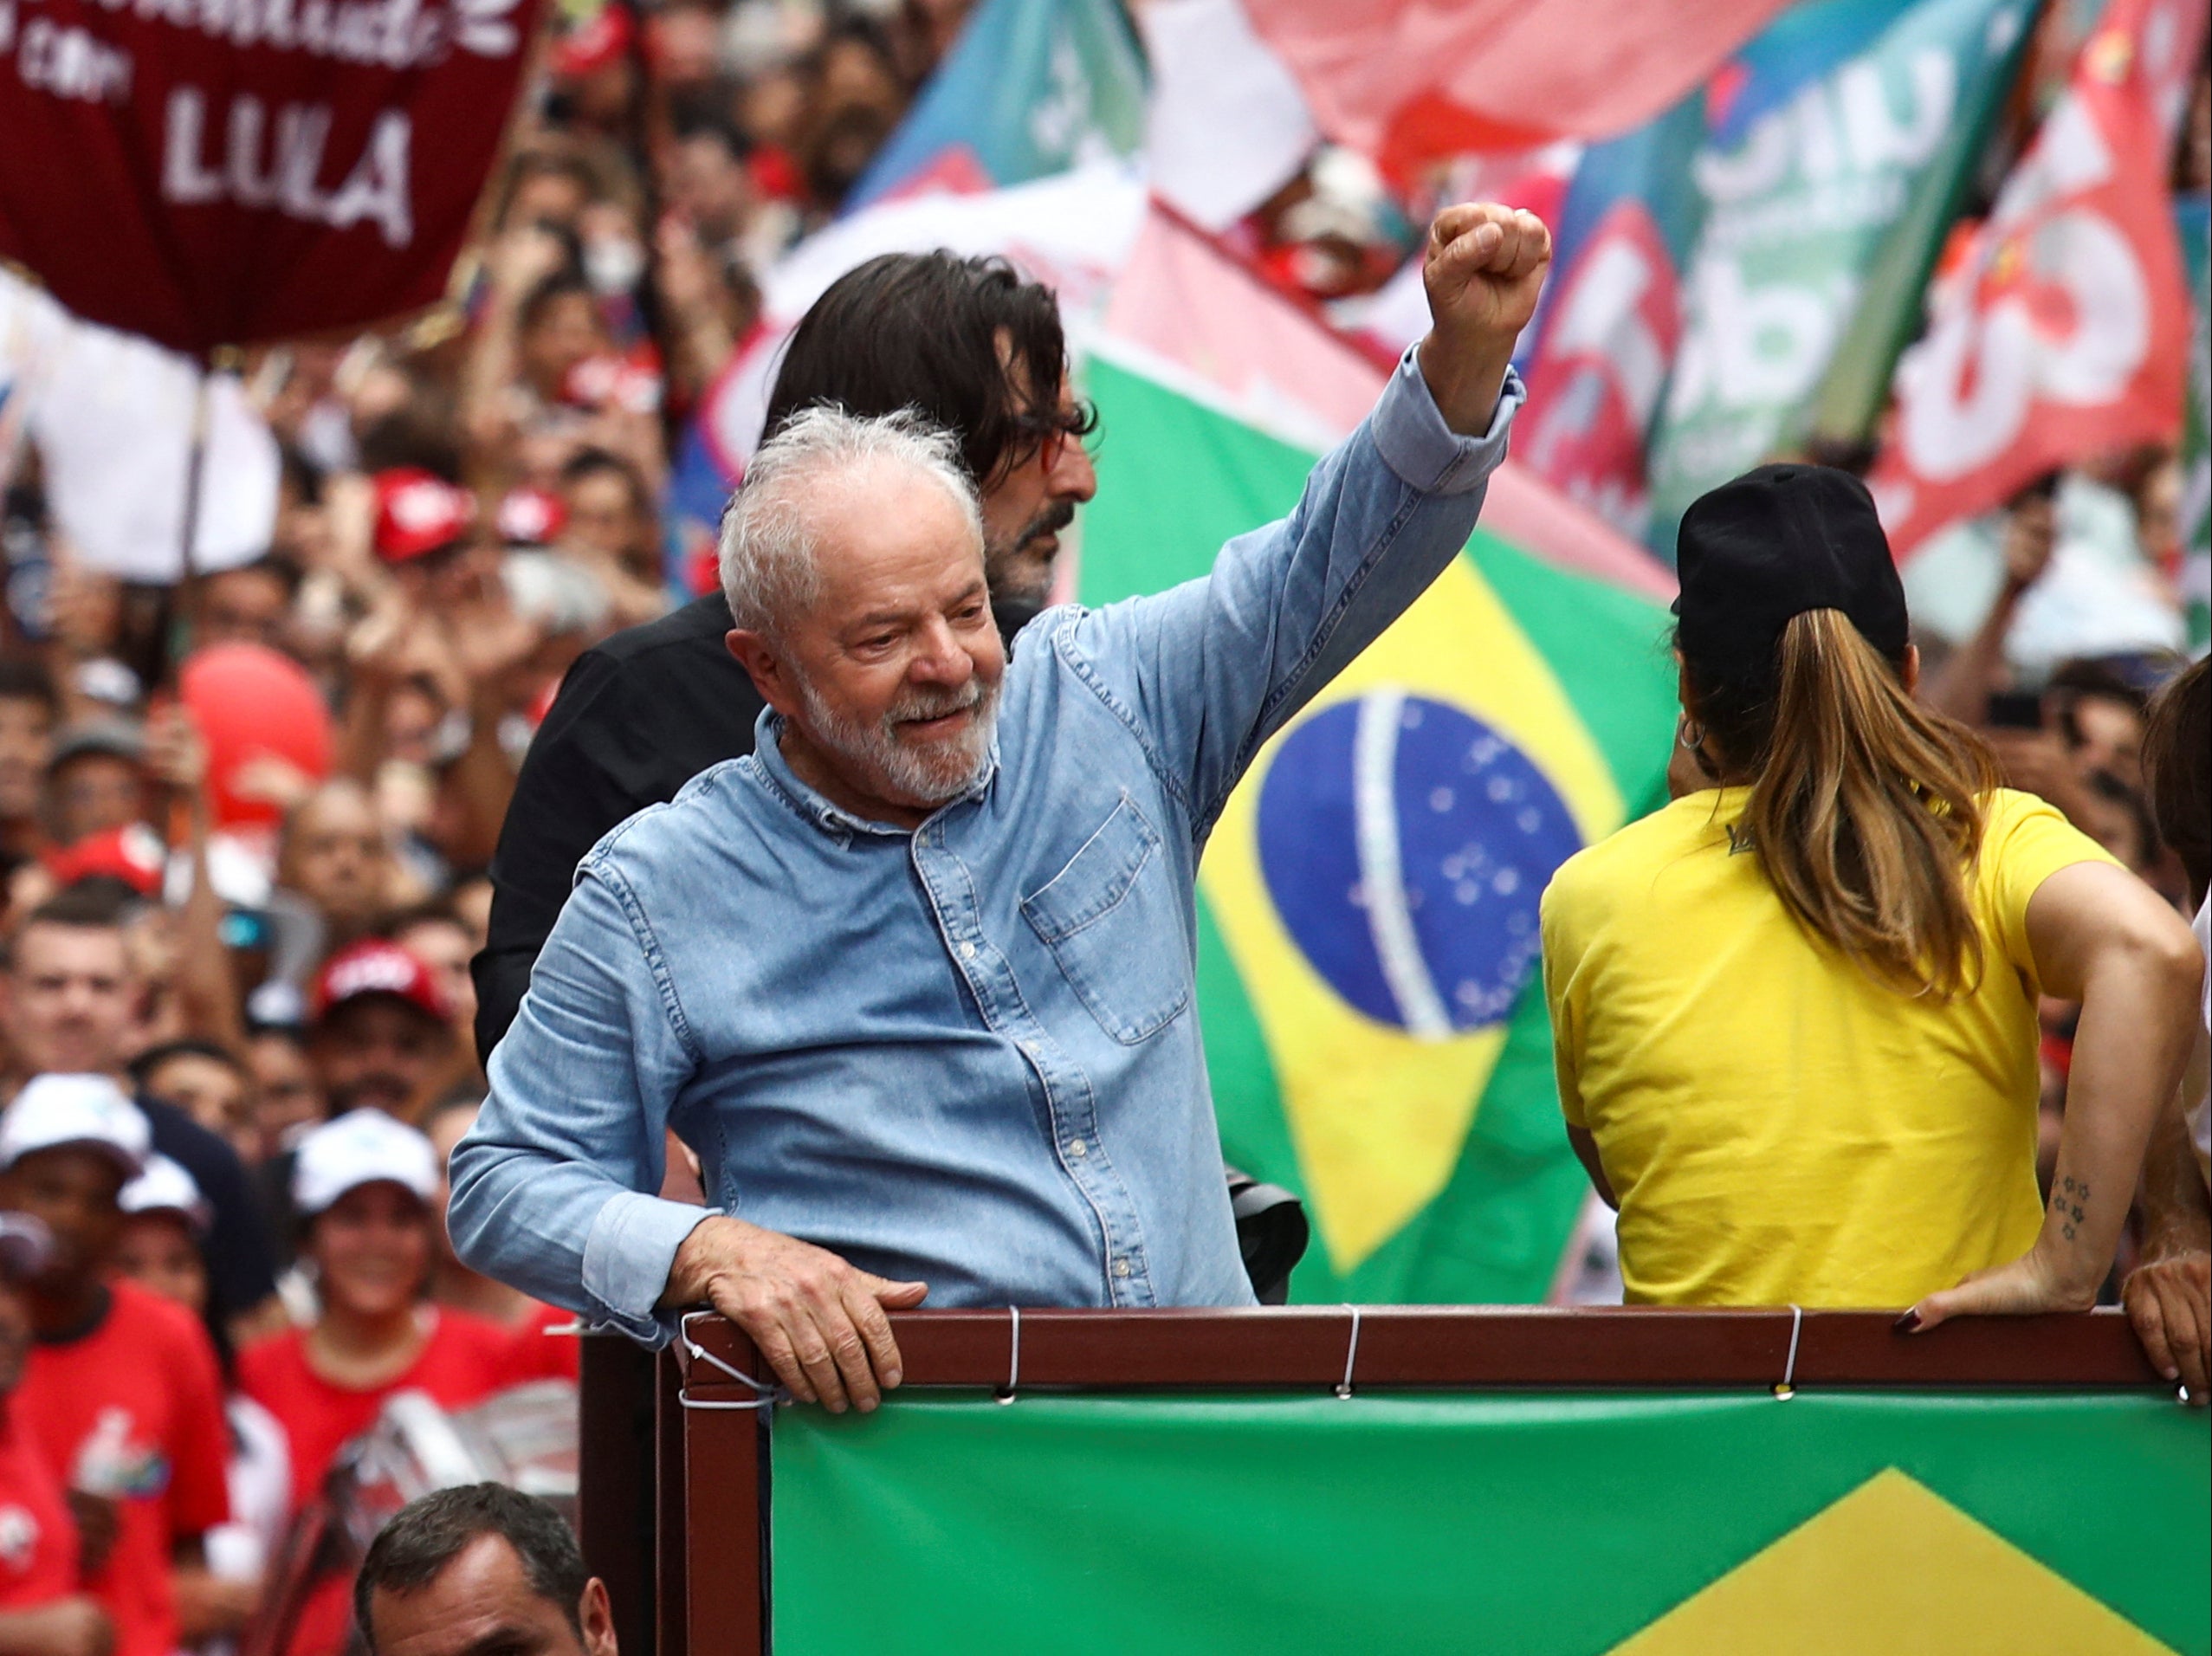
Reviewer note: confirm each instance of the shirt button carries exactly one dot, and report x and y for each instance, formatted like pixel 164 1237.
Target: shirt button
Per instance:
pixel 1077 1148
pixel 967 951
pixel 1121 1267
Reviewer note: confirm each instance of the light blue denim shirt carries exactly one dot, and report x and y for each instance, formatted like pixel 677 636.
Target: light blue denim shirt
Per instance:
pixel 965 1055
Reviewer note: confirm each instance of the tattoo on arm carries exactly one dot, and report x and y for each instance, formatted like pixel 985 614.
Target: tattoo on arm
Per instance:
pixel 2068 1202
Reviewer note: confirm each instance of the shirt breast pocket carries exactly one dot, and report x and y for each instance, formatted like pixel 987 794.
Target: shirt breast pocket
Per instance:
pixel 1113 921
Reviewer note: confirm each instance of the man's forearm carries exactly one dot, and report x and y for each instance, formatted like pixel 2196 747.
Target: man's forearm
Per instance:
pixel 1464 384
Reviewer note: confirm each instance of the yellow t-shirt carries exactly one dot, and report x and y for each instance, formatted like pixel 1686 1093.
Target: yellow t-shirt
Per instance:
pixel 1780 1128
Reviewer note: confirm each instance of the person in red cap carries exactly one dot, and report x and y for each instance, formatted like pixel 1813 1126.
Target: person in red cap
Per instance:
pixel 424 528
pixel 382 1037
pixel 43 1613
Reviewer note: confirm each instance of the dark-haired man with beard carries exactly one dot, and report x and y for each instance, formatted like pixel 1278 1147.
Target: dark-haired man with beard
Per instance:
pixel 968 344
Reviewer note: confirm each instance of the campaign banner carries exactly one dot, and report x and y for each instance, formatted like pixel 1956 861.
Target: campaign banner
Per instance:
pixel 1612 320
pixel 2066 333
pixel 211 172
pixel 1797 214
pixel 1639 1522
pixel 1027 91
pixel 2193 219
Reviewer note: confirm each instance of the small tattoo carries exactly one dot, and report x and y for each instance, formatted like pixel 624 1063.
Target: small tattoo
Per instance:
pixel 2069 1232
pixel 2077 1214
pixel 2068 1183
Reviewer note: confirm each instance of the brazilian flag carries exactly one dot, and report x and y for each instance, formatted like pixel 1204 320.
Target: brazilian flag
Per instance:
pixel 1368 939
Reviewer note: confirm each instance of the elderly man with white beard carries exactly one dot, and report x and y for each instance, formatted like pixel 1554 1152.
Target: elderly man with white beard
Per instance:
pixel 955 1055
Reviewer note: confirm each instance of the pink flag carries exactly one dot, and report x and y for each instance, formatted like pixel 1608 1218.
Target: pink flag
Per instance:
pixel 1409 79
pixel 2065 332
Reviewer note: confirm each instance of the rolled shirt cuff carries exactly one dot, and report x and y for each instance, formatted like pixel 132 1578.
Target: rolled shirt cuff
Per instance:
pixel 1414 442
pixel 627 1256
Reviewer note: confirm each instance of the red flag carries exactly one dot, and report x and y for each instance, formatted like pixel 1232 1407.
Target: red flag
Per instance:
pixel 218 172
pixel 2064 332
pixel 1407 80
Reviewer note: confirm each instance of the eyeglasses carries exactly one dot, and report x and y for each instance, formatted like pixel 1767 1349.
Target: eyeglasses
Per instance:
pixel 1051 433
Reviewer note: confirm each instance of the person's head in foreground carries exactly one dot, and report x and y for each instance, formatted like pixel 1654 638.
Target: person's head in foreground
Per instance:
pixel 480 1570
pixel 853 563
pixel 361 1187
pixel 968 346
pixel 1795 1012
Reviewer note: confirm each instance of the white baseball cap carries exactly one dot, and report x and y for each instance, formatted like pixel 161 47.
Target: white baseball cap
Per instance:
pixel 165 1187
pixel 86 1110
pixel 362 1147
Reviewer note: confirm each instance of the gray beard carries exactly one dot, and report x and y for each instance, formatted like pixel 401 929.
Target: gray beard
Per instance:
pixel 888 767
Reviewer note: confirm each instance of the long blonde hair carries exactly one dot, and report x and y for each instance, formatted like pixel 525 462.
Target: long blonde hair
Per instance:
pixel 1866 808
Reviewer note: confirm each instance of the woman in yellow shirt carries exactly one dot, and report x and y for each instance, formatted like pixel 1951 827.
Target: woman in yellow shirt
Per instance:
pixel 1795 1011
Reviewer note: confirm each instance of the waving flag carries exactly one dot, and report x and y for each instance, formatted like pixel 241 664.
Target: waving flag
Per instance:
pixel 2193 218
pixel 1027 91
pixel 1368 904
pixel 1613 319
pixel 2067 333
pixel 1861 166
pixel 1408 80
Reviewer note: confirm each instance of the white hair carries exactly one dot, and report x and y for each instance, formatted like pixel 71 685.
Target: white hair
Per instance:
pixel 769 544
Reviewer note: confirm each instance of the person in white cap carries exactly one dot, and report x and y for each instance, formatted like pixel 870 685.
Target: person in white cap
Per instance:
pixel 162 1249
pixel 42 1611
pixel 122 1393
pixel 361 1188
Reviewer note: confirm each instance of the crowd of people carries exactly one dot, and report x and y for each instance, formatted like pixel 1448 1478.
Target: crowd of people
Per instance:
pixel 238 1021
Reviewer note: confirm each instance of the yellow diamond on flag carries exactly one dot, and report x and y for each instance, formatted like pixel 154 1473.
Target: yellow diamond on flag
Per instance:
pixel 1892 1567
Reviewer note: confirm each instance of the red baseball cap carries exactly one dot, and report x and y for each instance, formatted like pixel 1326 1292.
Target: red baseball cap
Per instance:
pixel 133 855
pixel 531 517
pixel 373 966
pixel 601 39
pixel 419 513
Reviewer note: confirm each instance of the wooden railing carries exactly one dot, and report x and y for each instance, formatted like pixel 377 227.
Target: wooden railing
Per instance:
pixel 681 1521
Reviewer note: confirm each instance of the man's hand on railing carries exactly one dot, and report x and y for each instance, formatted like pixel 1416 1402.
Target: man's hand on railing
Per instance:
pixel 818 1320
pixel 2166 1300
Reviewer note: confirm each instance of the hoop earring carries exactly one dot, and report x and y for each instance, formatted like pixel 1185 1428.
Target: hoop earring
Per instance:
pixel 1690 734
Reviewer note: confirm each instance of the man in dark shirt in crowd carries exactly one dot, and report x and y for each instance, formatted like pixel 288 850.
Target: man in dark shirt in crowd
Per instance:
pixel 976 350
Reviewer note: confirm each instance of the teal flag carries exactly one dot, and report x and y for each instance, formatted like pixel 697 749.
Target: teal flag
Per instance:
pixel 1820 222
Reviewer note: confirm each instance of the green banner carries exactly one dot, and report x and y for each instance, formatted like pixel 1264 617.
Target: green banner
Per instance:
pixel 1658 1524
pixel 1820 230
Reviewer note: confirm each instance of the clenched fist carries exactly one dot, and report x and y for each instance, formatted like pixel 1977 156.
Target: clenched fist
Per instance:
pixel 1483 269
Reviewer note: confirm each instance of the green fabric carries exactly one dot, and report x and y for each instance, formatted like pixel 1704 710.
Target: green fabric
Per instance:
pixel 1177 479
pixel 1836 189
pixel 1520 1525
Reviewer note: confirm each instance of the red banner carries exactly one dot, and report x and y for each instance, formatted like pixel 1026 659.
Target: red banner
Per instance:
pixel 1407 80
pixel 2065 332
pixel 218 172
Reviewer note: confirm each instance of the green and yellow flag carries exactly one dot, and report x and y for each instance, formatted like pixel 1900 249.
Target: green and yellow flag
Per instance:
pixel 1373 1021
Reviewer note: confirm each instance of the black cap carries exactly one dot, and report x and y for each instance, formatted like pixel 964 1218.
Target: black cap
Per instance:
pixel 1771 545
